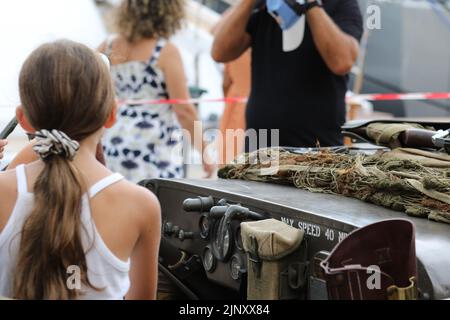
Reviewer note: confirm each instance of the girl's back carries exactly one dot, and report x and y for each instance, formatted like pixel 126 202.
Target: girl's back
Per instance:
pixel 66 222
pixel 111 207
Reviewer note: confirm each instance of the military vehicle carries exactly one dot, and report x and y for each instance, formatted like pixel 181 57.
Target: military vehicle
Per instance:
pixel 187 257
pixel 203 261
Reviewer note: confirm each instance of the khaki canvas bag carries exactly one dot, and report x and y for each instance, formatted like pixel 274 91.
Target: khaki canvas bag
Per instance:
pixel 277 266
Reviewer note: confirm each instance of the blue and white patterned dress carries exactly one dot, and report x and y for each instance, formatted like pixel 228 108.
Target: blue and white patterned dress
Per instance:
pixel 146 141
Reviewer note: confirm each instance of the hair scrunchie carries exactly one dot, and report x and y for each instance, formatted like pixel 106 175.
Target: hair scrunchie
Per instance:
pixel 54 142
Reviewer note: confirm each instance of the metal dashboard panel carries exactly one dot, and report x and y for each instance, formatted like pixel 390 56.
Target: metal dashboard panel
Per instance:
pixel 326 219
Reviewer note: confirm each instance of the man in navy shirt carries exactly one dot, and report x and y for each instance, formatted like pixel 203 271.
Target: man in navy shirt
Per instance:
pixel 299 68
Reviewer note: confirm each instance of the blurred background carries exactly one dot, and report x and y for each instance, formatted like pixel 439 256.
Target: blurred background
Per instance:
pixel 410 53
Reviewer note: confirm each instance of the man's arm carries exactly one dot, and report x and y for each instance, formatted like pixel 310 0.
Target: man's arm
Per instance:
pixel 337 48
pixel 232 39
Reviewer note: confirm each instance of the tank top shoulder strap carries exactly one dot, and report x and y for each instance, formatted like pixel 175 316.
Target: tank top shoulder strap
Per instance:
pixel 18 215
pixel 22 185
pixel 157 52
pixel 103 184
pixel 109 45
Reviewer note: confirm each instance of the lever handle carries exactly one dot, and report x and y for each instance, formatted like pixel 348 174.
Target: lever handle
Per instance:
pixel 217 212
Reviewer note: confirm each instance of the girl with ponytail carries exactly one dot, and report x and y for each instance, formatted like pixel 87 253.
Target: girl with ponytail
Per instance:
pixel 69 228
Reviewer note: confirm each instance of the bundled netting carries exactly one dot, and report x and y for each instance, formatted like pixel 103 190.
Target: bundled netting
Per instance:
pixel 399 184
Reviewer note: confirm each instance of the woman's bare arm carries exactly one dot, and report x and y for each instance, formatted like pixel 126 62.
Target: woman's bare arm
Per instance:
pixel 172 65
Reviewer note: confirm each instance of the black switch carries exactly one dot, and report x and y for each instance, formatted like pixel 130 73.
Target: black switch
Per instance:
pixel 183 235
pixel 200 204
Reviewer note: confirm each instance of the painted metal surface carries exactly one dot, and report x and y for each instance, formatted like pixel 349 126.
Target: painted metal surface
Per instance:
pixel 326 219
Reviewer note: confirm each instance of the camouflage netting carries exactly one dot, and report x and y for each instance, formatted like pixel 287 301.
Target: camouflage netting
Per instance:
pixel 383 179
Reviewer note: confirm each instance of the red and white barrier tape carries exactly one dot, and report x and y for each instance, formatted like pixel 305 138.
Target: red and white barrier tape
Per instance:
pixel 183 101
pixel 356 98
pixel 402 96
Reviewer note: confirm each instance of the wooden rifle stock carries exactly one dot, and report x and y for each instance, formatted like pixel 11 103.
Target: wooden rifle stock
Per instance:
pixel 412 138
pixel 417 138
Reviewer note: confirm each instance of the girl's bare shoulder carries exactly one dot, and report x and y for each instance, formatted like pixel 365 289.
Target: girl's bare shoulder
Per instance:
pixel 8 180
pixel 135 201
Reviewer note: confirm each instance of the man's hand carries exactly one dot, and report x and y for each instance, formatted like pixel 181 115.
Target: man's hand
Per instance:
pixel 3 144
pixel 209 165
pixel 210 169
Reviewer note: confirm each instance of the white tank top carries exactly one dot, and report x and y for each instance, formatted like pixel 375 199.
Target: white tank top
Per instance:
pixel 105 270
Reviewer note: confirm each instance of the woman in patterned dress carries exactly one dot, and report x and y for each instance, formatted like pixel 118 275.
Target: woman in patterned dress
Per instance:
pixel 147 141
